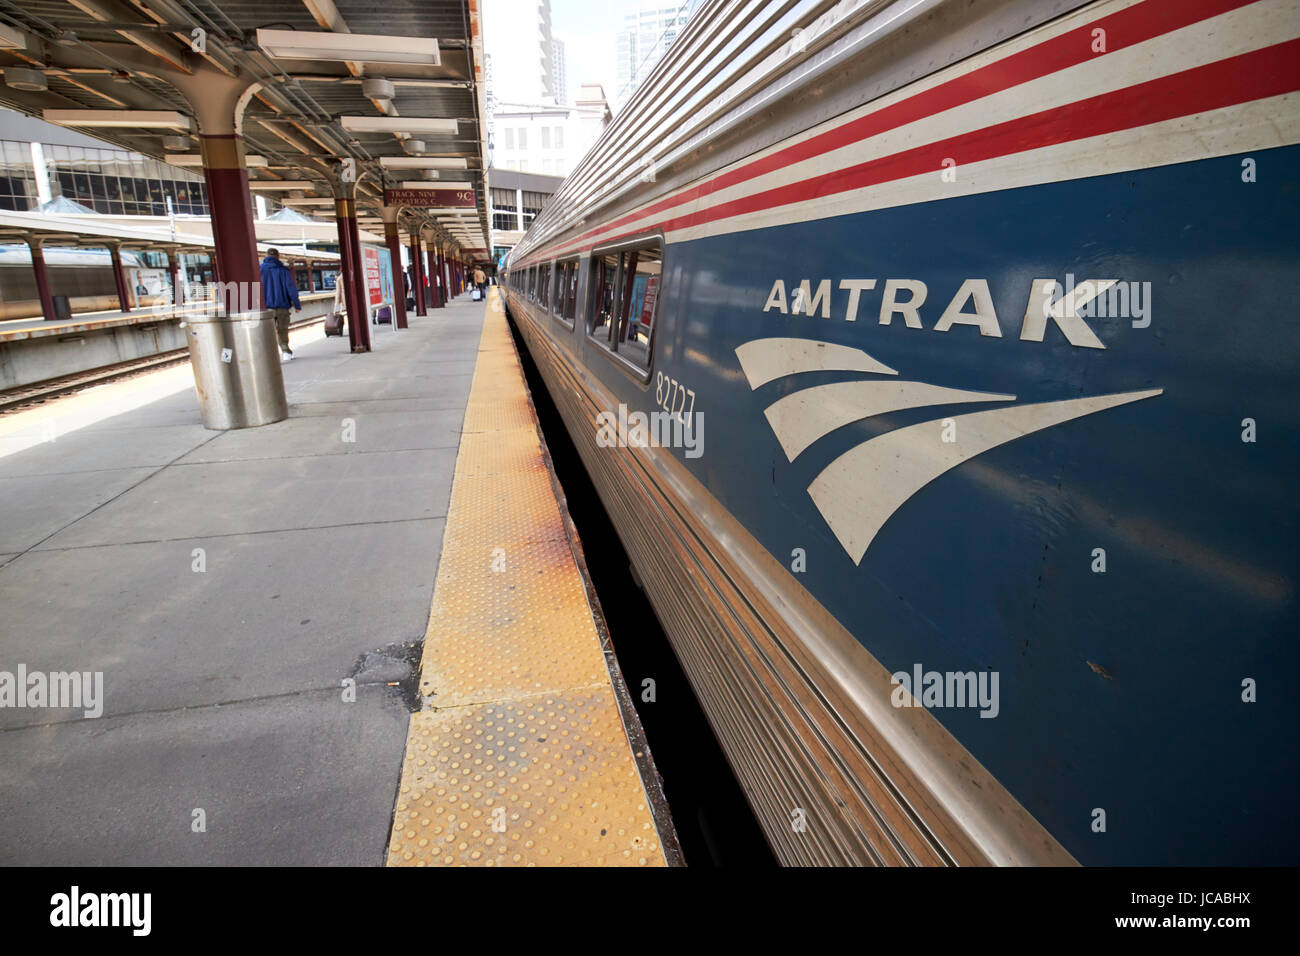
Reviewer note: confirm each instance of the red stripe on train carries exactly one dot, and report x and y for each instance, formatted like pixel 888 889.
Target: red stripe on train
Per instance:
pixel 1124 28
pixel 1270 71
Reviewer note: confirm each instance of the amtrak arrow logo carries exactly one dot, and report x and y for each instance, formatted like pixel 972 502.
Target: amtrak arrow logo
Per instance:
pixel 898 463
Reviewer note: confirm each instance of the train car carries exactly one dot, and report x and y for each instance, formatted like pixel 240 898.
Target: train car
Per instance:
pixel 935 363
pixel 85 276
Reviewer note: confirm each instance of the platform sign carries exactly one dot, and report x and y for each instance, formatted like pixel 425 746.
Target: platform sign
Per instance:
pixel 424 198
pixel 386 275
pixel 370 265
pixel 648 304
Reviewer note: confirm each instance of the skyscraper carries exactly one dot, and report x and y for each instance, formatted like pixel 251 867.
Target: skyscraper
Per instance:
pixel 559 72
pixel 517 37
pixel 649 28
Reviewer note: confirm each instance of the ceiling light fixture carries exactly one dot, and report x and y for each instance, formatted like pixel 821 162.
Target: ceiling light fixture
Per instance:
pixel 126 119
pixel 344 47
pixel 422 162
pixel 399 124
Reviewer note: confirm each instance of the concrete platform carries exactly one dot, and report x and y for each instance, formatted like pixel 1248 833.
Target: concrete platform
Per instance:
pixel 276 662
pixel 224 686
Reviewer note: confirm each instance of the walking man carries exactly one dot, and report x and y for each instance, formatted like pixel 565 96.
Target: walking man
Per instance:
pixel 480 280
pixel 279 292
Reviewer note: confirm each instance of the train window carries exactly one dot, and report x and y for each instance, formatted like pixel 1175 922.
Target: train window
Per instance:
pixel 625 291
pixel 566 291
pixel 544 285
pixel 604 271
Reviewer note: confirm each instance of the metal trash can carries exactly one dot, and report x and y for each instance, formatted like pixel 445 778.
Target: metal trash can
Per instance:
pixel 62 308
pixel 236 361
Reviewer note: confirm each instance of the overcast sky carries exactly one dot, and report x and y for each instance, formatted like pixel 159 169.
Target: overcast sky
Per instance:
pixel 589 29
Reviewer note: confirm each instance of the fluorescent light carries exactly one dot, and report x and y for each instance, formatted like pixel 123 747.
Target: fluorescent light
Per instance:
pixel 399 124
pixel 422 162
pixel 359 47
pixel 196 159
pixel 11 39
pixel 282 184
pixel 307 201
pixel 164 119
pixel 433 184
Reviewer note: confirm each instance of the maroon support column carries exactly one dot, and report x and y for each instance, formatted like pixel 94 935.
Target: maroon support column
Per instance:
pixel 311 276
pixel 345 213
pixel 231 207
pixel 174 267
pixel 359 271
pixel 417 274
pixel 436 287
pixel 394 245
pixel 42 281
pixel 119 277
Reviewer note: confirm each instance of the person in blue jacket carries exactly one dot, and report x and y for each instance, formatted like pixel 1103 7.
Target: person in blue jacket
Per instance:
pixel 279 292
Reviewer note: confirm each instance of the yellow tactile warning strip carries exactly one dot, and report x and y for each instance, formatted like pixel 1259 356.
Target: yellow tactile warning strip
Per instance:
pixel 521 756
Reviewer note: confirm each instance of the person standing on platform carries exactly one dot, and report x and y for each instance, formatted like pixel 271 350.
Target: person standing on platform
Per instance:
pixel 480 280
pixel 279 292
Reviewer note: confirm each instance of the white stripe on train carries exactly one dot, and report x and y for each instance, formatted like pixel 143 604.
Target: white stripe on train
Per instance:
pixel 1229 34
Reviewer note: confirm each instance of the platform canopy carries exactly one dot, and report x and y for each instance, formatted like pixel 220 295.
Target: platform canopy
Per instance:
pixel 309 84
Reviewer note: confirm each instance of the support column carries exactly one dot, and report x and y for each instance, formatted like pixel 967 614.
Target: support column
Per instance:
pixel 231 208
pixel 437 287
pixel 174 268
pixel 417 273
pixel 311 276
pixel 42 281
pixel 345 215
pixel 428 279
pixel 119 277
pixel 394 244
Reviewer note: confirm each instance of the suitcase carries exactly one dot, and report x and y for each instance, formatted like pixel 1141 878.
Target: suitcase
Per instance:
pixel 383 315
pixel 334 323
pixel 477 295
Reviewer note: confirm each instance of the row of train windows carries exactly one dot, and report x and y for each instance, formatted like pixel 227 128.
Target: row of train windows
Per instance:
pixel 619 305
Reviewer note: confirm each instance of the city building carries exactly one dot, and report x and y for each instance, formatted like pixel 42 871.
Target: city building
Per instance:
pixel 517 38
pixel 546 138
pixel 514 200
pixel 41 162
pixel 559 71
pixel 649 29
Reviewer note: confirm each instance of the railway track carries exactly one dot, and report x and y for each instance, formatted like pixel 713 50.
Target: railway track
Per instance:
pixel 25 396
